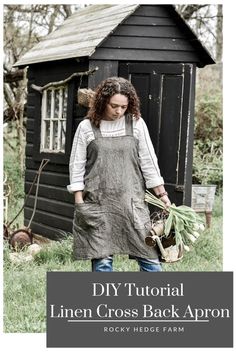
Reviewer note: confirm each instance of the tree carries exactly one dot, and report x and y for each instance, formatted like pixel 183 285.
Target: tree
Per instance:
pixel 219 33
pixel 24 26
pixel 206 21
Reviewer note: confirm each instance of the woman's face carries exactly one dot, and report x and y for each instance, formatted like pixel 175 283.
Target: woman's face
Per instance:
pixel 116 107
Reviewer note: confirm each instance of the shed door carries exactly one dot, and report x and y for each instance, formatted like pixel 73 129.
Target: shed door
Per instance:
pixel 166 93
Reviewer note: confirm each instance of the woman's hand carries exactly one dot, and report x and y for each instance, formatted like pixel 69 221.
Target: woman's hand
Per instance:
pixel 79 197
pixel 166 200
pixel 159 190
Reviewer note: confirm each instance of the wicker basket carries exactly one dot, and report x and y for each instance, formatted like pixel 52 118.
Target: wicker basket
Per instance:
pixel 85 96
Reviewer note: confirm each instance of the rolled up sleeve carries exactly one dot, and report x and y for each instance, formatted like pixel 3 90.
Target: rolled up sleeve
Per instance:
pixel 147 157
pixel 77 161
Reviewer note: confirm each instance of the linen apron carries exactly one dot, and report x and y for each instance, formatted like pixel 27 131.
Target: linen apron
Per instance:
pixel 114 218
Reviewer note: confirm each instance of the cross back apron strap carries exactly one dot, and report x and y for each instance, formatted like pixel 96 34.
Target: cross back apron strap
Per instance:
pixel 128 127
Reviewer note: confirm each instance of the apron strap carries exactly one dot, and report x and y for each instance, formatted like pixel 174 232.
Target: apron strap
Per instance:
pixel 128 125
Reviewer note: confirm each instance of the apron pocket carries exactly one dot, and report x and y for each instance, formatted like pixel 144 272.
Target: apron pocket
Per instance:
pixel 89 216
pixel 141 217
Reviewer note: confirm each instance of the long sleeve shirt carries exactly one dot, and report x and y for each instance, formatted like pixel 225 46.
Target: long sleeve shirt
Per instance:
pixel 84 135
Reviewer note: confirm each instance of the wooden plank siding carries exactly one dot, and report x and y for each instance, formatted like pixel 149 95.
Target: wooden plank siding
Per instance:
pixel 107 68
pixel 51 206
pixel 149 34
pixel 44 219
pixel 48 231
pixel 54 205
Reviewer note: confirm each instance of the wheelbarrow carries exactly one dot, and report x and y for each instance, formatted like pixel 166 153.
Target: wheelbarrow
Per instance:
pixel 24 237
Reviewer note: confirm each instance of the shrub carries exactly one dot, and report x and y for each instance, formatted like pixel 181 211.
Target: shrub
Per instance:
pixel 208 136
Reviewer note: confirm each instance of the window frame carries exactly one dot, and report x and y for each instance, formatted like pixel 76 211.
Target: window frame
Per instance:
pixel 51 120
pixel 55 157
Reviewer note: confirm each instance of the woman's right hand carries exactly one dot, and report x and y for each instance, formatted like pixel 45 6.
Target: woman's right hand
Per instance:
pixel 79 197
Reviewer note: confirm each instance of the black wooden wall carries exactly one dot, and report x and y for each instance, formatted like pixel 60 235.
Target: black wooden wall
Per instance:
pixel 55 205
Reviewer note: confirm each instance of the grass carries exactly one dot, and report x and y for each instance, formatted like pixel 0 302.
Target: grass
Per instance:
pixel 25 283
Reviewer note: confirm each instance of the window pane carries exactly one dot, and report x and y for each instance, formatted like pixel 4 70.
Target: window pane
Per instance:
pixel 47 134
pixel 63 135
pixel 56 110
pixel 64 113
pixel 55 134
pixel 49 99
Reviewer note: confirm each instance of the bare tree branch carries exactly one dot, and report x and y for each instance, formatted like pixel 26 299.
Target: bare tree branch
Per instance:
pixel 14 76
pixel 62 82
pixel 187 11
pixel 67 9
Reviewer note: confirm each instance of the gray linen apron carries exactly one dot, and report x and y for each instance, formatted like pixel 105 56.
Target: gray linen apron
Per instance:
pixel 114 219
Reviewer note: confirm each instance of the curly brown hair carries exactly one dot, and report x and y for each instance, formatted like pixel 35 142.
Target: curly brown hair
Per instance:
pixel 103 93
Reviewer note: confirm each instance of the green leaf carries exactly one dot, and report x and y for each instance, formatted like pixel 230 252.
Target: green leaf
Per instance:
pixel 168 224
pixel 179 224
pixel 178 238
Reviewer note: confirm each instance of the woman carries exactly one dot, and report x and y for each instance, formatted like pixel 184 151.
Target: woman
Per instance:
pixel 112 163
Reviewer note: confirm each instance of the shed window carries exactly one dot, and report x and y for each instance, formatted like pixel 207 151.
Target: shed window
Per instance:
pixel 53 123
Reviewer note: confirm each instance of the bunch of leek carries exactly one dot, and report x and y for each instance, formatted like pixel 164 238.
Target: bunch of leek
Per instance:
pixel 183 220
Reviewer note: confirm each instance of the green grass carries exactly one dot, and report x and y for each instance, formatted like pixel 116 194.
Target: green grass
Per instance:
pixel 25 284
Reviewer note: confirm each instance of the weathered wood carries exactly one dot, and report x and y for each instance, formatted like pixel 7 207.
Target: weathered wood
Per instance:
pixel 144 55
pixel 149 21
pixel 51 192
pixel 32 164
pixel 55 70
pixel 92 19
pixel 30 125
pixel 52 206
pixel 52 220
pixel 152 10
pixel 107 69
pixel 49 178
pixel 162 44
pixel 150 31
pixel 188 128
pixel 65 81
pixel 48 231
pixel 29 150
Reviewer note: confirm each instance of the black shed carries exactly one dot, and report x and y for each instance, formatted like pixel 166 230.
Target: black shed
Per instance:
pixel 152 46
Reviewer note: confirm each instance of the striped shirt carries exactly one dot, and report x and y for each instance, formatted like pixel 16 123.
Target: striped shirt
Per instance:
pixel 84 135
